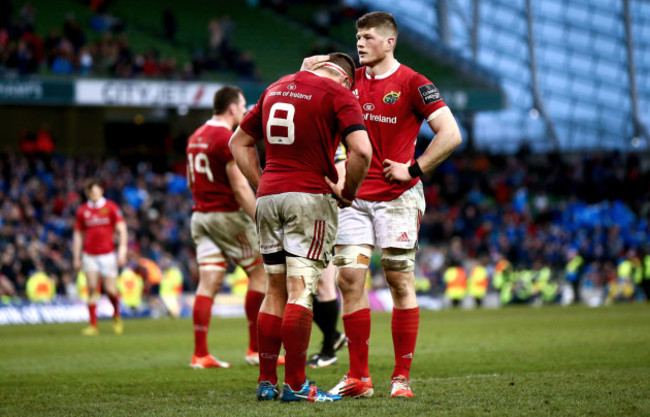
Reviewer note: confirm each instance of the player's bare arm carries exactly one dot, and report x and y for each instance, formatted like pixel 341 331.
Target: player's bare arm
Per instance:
pixel 240 187
pixel 447 138
pixel 314 62
pixel 77 242
pixel 123 240
pixel 360 154
pixel 242 147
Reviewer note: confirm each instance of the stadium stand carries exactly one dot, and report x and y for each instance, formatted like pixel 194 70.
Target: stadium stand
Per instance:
pixel 567 67
pixel 101 41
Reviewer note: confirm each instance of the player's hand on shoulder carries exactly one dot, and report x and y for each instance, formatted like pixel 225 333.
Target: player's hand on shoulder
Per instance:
pixel 396 172
pixel 337 192
pixel 314 62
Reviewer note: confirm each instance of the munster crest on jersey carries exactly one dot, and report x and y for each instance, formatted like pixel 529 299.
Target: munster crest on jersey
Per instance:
pixel 391 97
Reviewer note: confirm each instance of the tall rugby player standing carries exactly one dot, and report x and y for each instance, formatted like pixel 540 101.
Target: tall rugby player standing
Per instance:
pixel 94 233
pixel 389 206
pixel 222 222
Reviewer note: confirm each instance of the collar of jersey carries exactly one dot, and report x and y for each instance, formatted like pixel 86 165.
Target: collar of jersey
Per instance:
pixel 99 204
pixel 216 124
pixel 387 74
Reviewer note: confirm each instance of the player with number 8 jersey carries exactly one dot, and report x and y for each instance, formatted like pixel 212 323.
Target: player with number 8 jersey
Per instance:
pixel 301 103
pixel 302 119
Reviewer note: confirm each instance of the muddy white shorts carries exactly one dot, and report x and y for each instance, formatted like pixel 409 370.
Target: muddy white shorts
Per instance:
pixel 105 265
pixel 300 223
pixel 231 234
pixel 383 224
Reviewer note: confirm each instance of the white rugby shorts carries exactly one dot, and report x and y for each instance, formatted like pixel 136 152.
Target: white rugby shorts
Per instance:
pixel 302 224
pixel 105 265
pixel 383 224
pixel 231 234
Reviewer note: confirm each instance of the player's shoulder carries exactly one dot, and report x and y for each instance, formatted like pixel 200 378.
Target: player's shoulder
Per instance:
pixel 409 75
pixel 196 134
pixel 211 131
pixel 112 204
pixel 315 81
pixel 287 79
pixel 82 207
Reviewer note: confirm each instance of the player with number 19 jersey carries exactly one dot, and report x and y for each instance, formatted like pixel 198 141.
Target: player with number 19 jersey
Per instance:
pixel 207 156
pixel 394 106
pixel 316 107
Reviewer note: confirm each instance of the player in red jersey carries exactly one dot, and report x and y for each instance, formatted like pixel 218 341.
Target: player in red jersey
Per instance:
pixel 222 222
pixel 94 231
pixel 388 209
pixel 299 118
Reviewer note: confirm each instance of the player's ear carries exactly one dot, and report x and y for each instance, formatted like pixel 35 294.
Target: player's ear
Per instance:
pixel 389 43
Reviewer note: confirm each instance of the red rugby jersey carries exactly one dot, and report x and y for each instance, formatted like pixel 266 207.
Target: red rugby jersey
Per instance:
pixel 207 155
pixel 299 117
pixel 394 106
pixel 97 221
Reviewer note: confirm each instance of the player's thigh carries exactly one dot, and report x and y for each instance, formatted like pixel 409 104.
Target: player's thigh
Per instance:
pixel 327 284
pixel 109 284
pixel 355 225
pixel 397 222
pixel 256 277
pixel 234 232
pixel 310 224
pixel 269 223
pixel 92 281
pixel 204 243
pixel 90 266
pixel 219 236
pixel 108 265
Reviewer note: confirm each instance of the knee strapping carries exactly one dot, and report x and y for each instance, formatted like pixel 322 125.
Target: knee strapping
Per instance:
pixel 310 271
pixel 216 262
pixel 250 263
pixel 401 260
pixel 275 268
pixel 357 257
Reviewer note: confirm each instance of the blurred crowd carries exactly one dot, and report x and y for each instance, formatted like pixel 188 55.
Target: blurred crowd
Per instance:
pixel 38 201
pixel 535 212
pixel 101 47
pixel 538 211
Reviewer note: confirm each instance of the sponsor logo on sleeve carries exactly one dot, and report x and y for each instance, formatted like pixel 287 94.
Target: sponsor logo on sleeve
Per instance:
pixel 392 97
pixel 429 93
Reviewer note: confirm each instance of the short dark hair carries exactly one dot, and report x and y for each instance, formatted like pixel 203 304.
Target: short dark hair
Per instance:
pixel 224 97
pixel 345 62
pixel 382 21
pixel 91 182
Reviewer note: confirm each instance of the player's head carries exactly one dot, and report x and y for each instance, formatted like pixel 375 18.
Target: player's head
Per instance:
pixel 341 66
pixel 229 100
pixel 376 37
pixel 93 189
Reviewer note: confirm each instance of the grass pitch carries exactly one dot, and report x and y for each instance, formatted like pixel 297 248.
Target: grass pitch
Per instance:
pixel 512 361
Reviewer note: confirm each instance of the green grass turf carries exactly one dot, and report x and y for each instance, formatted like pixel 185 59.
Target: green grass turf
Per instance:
pixel 512 361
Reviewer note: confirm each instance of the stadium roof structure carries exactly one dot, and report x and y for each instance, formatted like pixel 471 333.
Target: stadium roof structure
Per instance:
pixel 576 73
